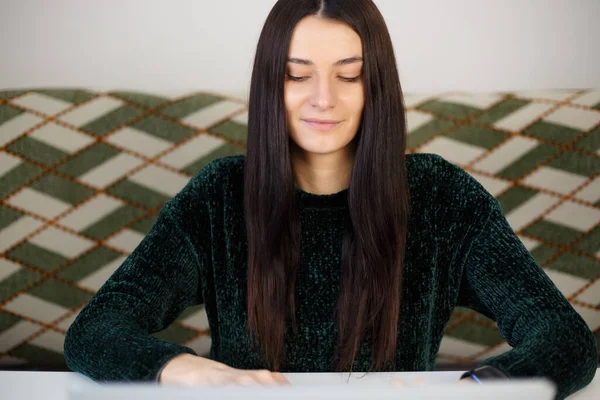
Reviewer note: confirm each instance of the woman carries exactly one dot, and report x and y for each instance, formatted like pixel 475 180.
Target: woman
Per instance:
pixel 325 248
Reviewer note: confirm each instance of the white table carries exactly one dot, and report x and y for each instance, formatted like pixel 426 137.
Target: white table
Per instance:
pixel 53 385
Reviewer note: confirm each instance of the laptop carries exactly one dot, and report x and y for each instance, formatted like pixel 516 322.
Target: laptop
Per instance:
pixel 538 389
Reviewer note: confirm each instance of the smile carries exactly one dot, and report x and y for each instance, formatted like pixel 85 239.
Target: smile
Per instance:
pixel 321 125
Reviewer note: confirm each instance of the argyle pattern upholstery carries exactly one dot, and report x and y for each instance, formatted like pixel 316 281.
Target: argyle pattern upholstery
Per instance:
pixel 83 174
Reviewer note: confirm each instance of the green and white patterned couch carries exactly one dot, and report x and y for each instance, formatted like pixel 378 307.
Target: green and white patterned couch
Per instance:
pixel 83 174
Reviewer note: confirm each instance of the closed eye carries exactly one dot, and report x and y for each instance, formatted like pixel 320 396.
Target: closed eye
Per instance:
pixel 350 80
pixel 297 78
pixel 303 78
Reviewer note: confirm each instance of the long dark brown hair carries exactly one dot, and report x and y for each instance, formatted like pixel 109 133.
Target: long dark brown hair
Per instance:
pixel 378 197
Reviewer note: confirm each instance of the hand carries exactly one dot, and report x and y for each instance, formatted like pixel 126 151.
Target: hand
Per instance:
pixel 186 369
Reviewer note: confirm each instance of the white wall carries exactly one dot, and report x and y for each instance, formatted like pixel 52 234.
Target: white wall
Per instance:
pixel 178 45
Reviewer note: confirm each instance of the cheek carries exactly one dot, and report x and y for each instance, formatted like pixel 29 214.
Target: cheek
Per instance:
pixel 293 99
pixel 355 103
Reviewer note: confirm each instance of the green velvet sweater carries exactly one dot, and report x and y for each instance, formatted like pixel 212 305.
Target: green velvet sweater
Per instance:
pixel 460 251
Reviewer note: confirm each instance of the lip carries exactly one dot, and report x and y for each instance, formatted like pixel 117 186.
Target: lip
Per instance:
pixel 321 124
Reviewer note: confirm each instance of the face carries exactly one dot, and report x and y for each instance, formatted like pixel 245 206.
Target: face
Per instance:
pixel 323 91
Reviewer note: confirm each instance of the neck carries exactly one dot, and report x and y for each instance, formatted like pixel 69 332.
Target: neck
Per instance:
pixel 322 173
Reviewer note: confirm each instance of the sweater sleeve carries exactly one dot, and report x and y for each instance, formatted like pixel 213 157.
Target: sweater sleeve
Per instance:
pixel 501 280
pixel 111 338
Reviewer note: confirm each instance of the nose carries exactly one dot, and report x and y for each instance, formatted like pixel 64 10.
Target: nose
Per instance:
pixel 323 95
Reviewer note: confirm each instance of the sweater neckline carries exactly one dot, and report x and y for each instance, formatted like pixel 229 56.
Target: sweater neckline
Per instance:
pixel 313 200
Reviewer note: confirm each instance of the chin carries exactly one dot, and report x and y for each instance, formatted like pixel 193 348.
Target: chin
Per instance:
pixel 315 142
pixel 321 151
pixel 318 146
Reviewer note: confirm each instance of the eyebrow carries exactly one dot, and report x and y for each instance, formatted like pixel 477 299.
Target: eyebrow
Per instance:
pixel 345 61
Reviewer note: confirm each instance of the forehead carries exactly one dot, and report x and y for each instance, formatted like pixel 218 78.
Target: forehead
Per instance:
pixel 324 40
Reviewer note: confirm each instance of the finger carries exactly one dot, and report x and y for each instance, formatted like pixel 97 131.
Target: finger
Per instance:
pixel 398 382
pixel 265 377
pixel 419 382
pixel 280 378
